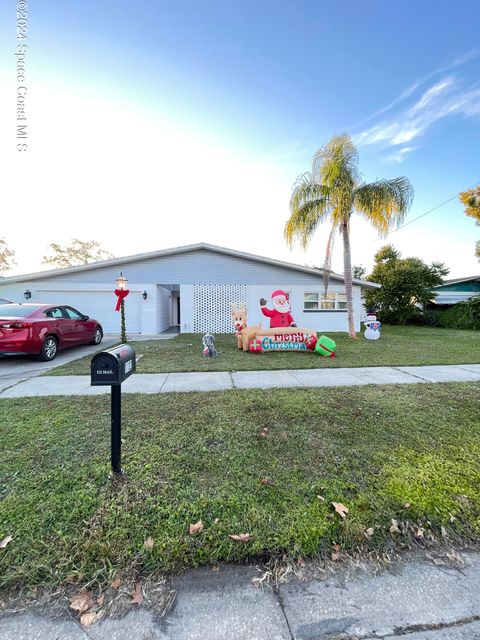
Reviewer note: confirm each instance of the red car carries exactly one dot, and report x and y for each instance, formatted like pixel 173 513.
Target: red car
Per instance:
pixel 44 329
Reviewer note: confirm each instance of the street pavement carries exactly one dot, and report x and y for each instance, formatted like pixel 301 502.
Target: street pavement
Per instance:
pixel 414 600
pixel 17 386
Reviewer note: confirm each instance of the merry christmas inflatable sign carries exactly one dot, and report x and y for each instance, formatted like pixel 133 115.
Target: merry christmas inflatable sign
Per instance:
pixel 283 334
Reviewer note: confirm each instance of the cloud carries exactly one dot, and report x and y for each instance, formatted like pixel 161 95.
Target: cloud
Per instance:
pixel 462 59
pixel 447 97
pixel 400 155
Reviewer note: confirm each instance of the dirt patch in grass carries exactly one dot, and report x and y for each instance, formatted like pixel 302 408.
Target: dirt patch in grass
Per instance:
pixel 409 454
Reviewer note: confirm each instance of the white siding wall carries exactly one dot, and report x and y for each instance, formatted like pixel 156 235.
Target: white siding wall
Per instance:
pixel 324 321
pixel 163 309
pixel 319 320
pixel 186 308
pixel 194 267
pixel 95 300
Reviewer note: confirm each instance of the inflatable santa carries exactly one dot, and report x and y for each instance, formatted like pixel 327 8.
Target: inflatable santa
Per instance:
pixel 280 315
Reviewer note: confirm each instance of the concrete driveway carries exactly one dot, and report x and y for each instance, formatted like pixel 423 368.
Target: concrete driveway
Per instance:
pixel 14 369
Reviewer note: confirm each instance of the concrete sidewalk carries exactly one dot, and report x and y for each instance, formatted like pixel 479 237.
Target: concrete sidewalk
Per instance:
pixel 224 380
pixel 417 600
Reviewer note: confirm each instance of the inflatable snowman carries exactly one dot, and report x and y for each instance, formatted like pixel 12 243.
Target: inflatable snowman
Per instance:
pixel 372 331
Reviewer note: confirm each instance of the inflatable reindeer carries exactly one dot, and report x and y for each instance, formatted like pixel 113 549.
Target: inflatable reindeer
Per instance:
pixel 239 317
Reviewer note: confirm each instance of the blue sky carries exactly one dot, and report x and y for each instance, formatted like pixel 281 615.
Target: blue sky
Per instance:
pixel 190 121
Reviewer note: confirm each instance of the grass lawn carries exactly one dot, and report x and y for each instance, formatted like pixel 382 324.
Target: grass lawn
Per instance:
pixel 398 346
pixel 409 452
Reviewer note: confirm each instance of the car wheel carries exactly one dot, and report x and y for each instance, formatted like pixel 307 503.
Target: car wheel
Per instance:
pixel 49 349
pixel 97 336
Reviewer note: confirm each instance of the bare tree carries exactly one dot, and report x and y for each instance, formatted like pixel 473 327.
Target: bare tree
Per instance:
pixel 77 253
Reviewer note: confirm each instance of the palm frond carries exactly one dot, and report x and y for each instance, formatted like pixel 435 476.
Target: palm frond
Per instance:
pixel 309 206
pixel 384 203
pixel 336 164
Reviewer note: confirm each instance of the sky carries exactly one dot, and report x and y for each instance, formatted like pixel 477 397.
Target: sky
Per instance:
pixel 165 124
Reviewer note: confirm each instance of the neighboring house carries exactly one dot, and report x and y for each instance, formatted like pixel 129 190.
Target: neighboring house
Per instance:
pixel 452 291
pixel 191 287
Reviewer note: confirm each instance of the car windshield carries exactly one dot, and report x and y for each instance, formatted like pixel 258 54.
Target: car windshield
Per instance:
pixel 17 310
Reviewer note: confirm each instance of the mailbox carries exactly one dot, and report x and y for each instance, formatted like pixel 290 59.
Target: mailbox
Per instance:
pixel 113 366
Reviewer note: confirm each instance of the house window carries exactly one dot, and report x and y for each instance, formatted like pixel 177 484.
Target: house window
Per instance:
pixel 330 301
pixel 310 301
pixel 341 300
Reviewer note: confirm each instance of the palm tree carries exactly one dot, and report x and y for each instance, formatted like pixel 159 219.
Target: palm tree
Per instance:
pixel 333 188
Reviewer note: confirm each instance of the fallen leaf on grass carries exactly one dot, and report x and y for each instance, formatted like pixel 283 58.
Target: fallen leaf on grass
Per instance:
pixel 444 532
pixel 81 601
pixel 453 556
pixel 394 528
pixel 369 532
pixel 149 542
pixel 137 595
pixel 406 505
pixel 87 619
pixel 321 498
pixel 335 555
pixel 5 541
pixel 116 583
pixel 266 481
pixel 73 578
pixel 341 509
pixel 241 537
pixel 420 532
pixel 196 528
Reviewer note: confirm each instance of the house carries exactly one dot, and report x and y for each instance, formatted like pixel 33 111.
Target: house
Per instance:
pixel 190 287
pixel 452 291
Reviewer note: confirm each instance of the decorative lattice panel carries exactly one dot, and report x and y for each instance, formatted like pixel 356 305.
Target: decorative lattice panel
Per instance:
pixel 211 306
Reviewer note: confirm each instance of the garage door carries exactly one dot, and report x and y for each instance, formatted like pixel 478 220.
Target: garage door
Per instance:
pixel 99 305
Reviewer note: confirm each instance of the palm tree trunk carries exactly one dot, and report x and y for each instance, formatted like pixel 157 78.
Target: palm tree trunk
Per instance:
pixel 347 274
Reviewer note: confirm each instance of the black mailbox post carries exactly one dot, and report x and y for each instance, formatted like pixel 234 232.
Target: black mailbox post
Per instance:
pixel 111 368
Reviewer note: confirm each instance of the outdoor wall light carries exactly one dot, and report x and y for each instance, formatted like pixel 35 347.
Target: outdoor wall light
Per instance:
pixel 121 282
pixel 27 294
pixel 144 295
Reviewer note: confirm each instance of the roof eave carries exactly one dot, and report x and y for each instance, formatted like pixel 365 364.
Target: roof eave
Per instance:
pixel 39 275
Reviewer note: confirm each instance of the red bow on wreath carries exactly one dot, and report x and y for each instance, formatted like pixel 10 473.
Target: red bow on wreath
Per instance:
pixel 121 294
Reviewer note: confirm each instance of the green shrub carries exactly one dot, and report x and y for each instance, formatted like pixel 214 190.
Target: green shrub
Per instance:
pixel 464 315
pixel 429 317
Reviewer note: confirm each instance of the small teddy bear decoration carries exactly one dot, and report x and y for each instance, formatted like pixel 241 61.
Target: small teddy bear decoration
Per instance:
pixel 209 350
